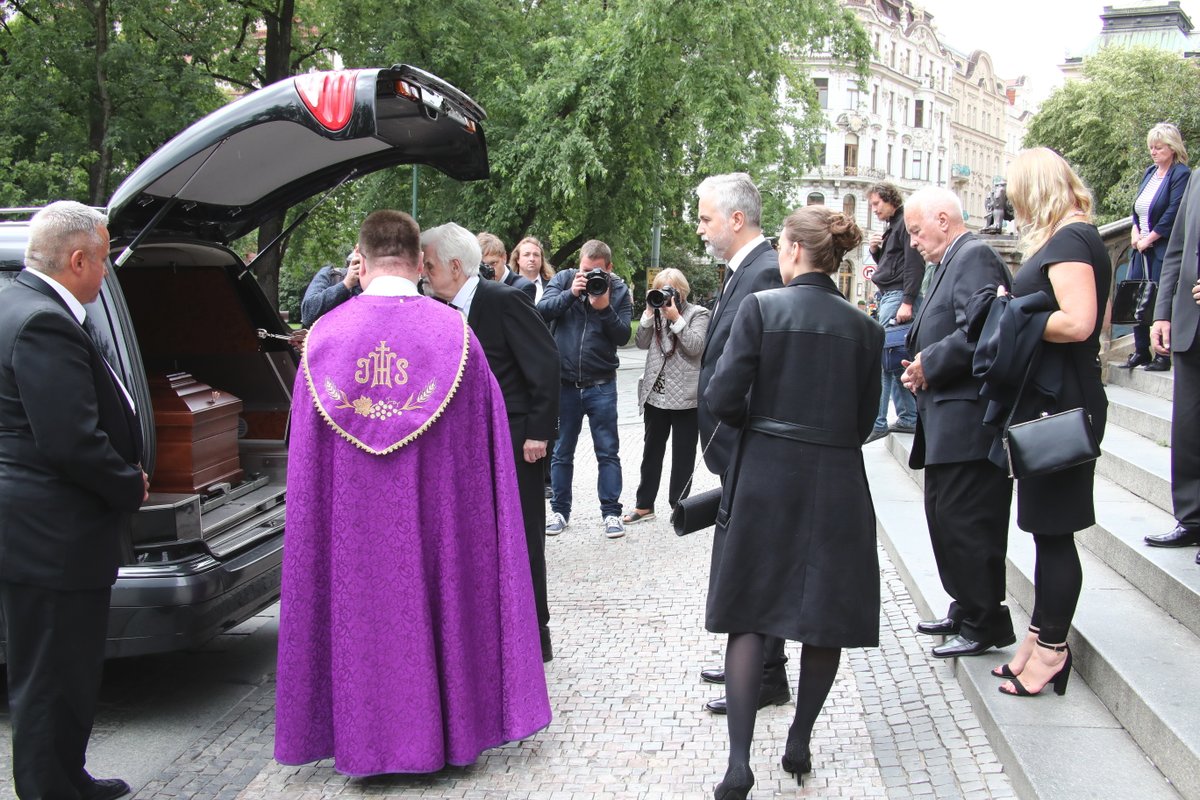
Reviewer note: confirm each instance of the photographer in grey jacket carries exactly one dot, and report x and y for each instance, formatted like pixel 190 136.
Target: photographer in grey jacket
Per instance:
pixel 672 330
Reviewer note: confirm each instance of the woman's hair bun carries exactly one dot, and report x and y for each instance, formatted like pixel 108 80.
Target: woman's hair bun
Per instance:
pixel 845 233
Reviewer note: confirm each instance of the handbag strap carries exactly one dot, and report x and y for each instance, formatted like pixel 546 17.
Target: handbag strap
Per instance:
pixel 1017 400
pixel 703 452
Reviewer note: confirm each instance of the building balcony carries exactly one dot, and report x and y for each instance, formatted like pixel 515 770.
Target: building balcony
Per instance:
pixel 959 173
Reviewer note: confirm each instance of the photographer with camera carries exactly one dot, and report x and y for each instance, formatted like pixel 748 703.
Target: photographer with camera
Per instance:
pixel 589 310
pixel 330 287
pixel 673 332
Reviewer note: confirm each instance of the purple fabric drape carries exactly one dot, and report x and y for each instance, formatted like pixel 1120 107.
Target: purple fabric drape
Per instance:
pixel 408 636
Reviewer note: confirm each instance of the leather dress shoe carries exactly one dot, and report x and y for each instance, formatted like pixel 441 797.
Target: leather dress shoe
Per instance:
pixel 1159 364
pixel 105 789
pixel 876 434
pixel 547 645
pixel 938 627
pixel 1136 360
pixel 712 675
pixel 1179 537
pixel 1198 558
pixel 773 696
pixel 960 646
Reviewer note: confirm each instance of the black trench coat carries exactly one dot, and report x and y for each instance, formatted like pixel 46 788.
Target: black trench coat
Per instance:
pixel 794 552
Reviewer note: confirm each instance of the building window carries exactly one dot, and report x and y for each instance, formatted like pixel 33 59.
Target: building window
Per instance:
pixel 888 166
pixel 850 154
pixel 941 176
pixel 816 199
pixel 848 206
pixel 904 111
pixel 874 147
pixel 919 114
pixel 852 97
pixel 822 85
pixel 904 162
pixel 818 152
pixel 875 99
pixel 891 106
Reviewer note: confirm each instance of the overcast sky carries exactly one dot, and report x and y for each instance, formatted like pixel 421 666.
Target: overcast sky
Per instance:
pixel 1027 37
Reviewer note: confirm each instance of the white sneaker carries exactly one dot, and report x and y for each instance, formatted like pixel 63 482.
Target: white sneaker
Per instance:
pixel 613 527
pixel 556 524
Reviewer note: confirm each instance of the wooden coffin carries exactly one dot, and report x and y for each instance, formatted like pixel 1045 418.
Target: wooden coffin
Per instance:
pixel 196 427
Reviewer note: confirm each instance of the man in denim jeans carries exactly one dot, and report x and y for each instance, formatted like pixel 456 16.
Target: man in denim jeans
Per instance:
pixel 589 326
pixel 898 274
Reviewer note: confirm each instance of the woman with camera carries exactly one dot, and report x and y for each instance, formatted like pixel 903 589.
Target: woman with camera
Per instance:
pixel 794 551
pixel 673 332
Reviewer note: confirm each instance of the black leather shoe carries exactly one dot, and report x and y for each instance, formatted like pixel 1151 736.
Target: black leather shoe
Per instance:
pixel 1198 558
pixel 712 675
pixel 547 645
pixel 105 789
pixel 1159 364
pixel 876 434
pixel 773 696
pixel 1136 360
pixel 1180 537
pixel 938 627
pixel 961 646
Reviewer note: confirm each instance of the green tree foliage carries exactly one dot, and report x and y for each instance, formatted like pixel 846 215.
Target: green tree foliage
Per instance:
pixel 1099 124
pixel 602 114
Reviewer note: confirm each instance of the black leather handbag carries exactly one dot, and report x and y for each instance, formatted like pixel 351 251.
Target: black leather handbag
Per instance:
pixel 1133 301
pixel 696 513
pixel 1049 443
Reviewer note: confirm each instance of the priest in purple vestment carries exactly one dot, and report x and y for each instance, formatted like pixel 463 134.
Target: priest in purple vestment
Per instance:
pixel 408 637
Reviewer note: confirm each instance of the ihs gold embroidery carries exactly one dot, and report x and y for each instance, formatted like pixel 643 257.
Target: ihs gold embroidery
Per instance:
pixel 377 366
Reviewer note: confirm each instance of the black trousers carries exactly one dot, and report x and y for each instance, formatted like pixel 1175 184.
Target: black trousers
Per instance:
pixel 533 512
pixel 684 431
pixel 55 652
pixel 967 507
pixel 1185 439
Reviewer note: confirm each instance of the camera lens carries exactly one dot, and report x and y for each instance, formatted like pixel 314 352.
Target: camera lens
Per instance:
pixel 597 282
pixel 655 298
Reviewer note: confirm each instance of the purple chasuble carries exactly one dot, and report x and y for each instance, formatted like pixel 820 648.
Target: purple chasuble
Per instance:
pixel 408 637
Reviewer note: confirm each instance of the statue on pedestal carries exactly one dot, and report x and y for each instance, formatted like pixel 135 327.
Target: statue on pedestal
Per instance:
pixel 999 209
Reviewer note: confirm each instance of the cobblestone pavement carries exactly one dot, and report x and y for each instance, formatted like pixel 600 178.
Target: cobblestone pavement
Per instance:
pixel 628 708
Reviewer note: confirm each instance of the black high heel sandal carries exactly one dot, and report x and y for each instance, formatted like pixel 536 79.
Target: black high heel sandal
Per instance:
pixel 1004 671
pixel 1059 680
pixel 796 761
pixel 736 784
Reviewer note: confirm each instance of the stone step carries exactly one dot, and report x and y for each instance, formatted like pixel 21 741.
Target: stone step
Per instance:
pixel 1159 384
pixel 1050 747
pixel 1144 414
pixel 1136 657
pixel 1138 464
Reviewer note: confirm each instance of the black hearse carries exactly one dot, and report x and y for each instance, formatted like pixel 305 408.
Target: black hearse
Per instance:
pixel 178 299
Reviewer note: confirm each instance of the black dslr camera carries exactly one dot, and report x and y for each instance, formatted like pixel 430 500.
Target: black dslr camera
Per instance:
pixel 657 298
pixel 597 282
pixel 487 271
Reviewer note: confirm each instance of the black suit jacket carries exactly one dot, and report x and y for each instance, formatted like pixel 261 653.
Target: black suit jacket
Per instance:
pixel 521 282
pixel 950 412
pixel 759 271
pixel 69 447
pixel 522 355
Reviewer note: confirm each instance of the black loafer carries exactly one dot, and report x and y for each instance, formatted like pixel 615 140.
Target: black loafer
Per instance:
pixel 876 435
pixel 1136 360
pixel 1159 364
pixel 776 696
pixel 938 627
pixel 961 646
pixel 105 789
pixel 1179 537
pixel 712 675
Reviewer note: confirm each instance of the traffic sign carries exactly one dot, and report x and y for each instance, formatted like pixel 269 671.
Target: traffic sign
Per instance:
pixel 868 271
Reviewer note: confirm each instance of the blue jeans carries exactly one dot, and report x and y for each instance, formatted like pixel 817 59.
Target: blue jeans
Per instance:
pixel 906 402
pixel 599 403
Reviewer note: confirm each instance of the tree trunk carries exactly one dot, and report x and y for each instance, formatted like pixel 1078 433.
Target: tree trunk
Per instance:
pixel 277 65
pixel 568 248
pixel 101 110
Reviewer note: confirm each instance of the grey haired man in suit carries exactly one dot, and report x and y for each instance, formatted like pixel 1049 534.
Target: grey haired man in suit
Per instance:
pixel 729 212
pixel 70 476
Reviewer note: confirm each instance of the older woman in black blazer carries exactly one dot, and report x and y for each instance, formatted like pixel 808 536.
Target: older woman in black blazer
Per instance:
pixel 1154 209
pixel 794 552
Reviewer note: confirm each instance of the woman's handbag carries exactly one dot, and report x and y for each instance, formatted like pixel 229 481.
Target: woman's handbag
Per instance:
pixel 895 348
pixel 1133 301
pixel 1049 443
pixel 698 512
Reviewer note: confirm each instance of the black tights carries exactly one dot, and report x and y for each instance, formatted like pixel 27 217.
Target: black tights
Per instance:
pixel 743 679
pixel 1057 582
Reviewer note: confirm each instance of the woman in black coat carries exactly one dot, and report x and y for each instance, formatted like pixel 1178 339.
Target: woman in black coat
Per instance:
pixel 1066 259
pixel 794 552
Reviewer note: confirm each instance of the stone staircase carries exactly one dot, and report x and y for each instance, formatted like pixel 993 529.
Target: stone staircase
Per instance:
pixel 1130 725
